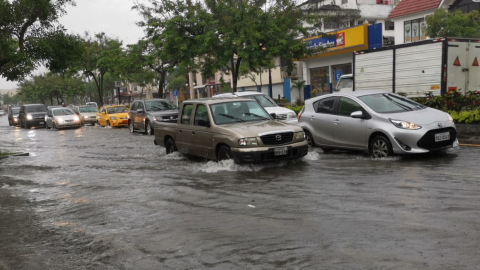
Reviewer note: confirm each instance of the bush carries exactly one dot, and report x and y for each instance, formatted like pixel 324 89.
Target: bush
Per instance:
pixel 452 101
pixel 466 117
pixel 296 109
pixel 282 102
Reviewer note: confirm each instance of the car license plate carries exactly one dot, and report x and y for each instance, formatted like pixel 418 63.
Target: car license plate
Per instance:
pixel 124 121
pixel 280 151
pixel 442 136
pixel 41 123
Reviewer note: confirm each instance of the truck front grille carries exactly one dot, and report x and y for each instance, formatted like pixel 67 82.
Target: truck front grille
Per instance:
pixel 275 139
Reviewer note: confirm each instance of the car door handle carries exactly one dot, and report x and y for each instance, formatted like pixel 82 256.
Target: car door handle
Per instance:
pixel 193 132
pixel 179 131
pixel 312 117
pixel 336 122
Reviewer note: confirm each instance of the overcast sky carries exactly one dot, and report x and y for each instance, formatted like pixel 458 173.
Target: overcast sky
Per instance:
pixel 114 17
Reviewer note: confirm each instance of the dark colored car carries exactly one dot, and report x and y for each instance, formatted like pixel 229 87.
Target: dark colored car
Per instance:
pixel 32 115
pixel 144 113
pixel 13 119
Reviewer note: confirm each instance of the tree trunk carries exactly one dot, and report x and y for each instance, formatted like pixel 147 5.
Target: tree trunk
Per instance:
pixel 161 84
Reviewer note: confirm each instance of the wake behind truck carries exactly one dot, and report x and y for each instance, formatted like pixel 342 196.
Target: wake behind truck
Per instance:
pixel 437 66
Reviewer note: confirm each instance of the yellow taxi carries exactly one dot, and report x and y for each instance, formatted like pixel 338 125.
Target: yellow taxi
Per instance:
pixel 115 116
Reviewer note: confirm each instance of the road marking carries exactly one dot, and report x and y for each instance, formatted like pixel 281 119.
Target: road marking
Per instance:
pixel 464 144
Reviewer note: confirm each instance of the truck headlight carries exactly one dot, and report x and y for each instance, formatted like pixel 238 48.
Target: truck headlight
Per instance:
pixel 300 136
pixel 29 117
pixel 248 141
pixel 113 117
pixel 292 115
pixel 404 124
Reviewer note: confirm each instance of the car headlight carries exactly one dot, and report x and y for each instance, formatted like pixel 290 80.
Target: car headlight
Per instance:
pixel 29 117
pixel 154 119
pixel 15 119
pixel 450 118
pixel 247 141
pixel 292 115
pixel 300 136
pixel 59 120
pixel 76 119
pixel 404 124
pixel 113 117
pixel 85 117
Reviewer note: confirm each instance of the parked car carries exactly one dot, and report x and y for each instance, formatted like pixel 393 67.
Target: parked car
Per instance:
pixel 281 113
pixel 32 115
pixel 2 112
pixel 226 128
pixel 58 118
pixel 94 104
pixel 115 116
pixel 13 119
pixel 379 123
pixel 87 114
pixel 144 113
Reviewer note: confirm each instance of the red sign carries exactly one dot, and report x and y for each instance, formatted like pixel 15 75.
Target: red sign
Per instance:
pixel 457 62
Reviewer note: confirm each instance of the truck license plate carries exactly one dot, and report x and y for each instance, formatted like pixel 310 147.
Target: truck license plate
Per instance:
pixel 442 136
pixel 280 151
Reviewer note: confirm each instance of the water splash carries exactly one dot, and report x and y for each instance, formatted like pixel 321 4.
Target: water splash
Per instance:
pixel 174 156
pixel 312 155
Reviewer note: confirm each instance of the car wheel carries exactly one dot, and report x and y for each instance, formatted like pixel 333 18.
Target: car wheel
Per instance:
pixel 224 153
pixel 98 123
pixel 170 146
pixel 380 147
pixel 326 149
pixel 108 123
pixel 148 128
pixel 27 126
pixel 54 126
pixel 46 125
pixel 10 123
pixel 93 124
pixel 309 138
pixel 130 126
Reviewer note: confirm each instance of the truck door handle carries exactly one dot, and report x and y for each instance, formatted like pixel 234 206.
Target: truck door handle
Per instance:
pixel 193 132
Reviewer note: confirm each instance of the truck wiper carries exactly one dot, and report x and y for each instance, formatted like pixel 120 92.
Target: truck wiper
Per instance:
pixel 232 117
pixel 254 114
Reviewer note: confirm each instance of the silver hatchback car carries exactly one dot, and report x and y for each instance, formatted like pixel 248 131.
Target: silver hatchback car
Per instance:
pixel 378 123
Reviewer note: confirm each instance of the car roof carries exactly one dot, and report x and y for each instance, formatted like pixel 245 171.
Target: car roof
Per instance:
pixel 28 105
pixel 111 106
pixel 247 93
pixel 82 106
pixel 216 100
pixel 60 108
pixel 355 94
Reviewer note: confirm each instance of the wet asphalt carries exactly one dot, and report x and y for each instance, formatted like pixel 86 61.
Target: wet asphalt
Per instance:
pixel 102 198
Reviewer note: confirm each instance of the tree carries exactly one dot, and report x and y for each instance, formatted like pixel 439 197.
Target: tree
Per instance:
pixel 45 88
pixel 299 85
pixel 30 34
pixel 217 35
pixel 101 55
pixel 453 24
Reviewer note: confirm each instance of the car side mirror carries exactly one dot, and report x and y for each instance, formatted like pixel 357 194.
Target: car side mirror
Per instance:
pixel 273 115
pixel 203 123
pixel 140 111
pixel 357 114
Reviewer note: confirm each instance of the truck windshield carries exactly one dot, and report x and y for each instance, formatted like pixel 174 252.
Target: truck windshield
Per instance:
pixel 344 83
pixel 37 108
pixel 158 105
pixel 239 111
pixel 390 103
pixel 264 100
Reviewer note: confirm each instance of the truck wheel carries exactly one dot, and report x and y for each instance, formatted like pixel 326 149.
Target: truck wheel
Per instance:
pixel 380 147
pixel 148 128
pixel 224 153
pixel 130 126
pixel 170 146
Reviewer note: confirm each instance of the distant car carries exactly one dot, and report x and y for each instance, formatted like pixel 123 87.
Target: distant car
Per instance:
pixel 54 106
pixel 2 112
pixel 144 113
pixel 87 114
pixel 283 114
pixel 13 119
pixel 92 104
pixel 32 115
pixel 114 116
pixel 378 123
pixel 58 118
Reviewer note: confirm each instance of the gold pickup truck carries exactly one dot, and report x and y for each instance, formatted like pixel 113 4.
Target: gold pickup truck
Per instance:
pixel 226 128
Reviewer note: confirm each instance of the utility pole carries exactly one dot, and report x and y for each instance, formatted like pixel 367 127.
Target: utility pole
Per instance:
pixel 270 90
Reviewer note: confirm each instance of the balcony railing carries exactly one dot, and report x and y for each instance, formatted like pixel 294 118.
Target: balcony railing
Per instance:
pixel 377 2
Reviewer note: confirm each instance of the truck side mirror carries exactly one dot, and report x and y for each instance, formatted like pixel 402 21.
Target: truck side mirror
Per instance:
pixel 273 115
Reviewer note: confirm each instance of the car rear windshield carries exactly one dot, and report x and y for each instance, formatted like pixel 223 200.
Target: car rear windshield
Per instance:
pixel 15 111
pixel 158 105
pixel 36 108
pixel 116 110
pixel 87 109
pixel 265 101
pixel 58 112
pixel 390 103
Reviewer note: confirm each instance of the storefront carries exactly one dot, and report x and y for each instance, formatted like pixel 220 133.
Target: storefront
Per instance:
pixel 322 71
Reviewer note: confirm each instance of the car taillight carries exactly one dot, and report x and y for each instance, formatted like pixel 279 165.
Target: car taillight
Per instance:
pixel 300 113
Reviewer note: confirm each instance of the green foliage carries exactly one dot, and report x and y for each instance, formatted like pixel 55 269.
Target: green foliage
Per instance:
pixel 30 34
pixel 282 102
pixel 453 24
pixel 466 117
pixel 452 101
pixel 296 109
pixel 15 99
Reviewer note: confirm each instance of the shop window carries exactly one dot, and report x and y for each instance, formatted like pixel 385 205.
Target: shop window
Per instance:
pixel 414 30
pixel 320 81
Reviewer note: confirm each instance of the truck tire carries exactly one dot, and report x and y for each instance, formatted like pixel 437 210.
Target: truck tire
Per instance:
pixel 148 128
pixel 170 146
pixel 224 153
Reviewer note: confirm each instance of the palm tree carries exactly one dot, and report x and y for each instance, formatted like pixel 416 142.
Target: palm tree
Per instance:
pixel 299 85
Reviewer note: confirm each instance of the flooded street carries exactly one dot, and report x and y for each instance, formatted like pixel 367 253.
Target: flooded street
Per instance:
pixel 102 198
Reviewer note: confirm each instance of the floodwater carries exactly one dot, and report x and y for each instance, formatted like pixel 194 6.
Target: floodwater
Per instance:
pixel 102 198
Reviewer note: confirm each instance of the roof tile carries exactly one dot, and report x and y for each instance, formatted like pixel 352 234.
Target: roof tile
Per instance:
pixel 406 7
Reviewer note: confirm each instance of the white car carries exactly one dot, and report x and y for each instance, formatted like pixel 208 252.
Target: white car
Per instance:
pixel 283 114
pixel 2 112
